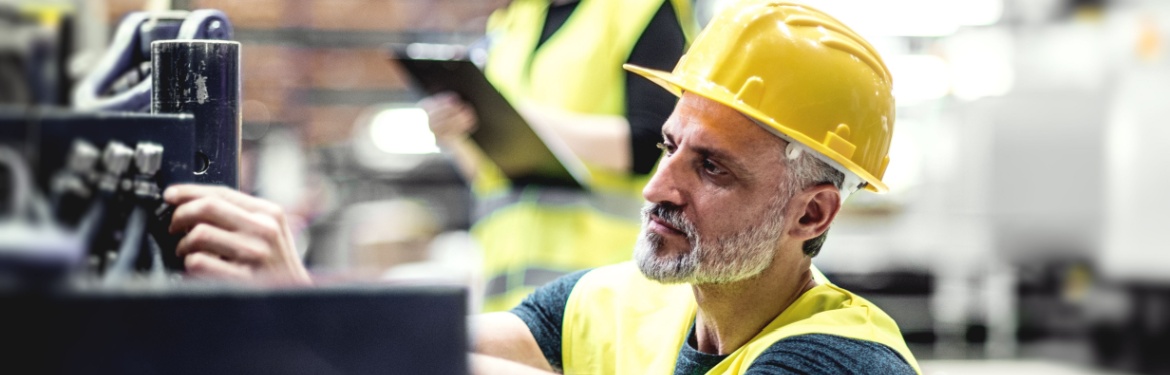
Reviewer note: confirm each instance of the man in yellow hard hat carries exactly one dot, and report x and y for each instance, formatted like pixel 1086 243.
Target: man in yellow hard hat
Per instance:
pixel 783 112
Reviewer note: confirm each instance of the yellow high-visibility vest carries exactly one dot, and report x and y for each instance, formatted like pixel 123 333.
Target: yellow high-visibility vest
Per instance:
pixel 619 322
pixel 539 233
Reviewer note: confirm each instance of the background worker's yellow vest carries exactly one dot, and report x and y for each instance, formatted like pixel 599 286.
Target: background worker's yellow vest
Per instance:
pixel 537 234
pixel 619 322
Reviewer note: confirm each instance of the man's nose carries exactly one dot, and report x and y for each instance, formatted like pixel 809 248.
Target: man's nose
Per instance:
pixel 664 185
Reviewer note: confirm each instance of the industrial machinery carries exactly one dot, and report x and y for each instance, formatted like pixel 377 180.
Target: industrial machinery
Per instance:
pixel 89 280
pixel 83 186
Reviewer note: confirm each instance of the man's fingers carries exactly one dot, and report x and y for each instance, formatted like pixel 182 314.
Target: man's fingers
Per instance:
pixel 233 246
pixel 466 120
pixel 233 235
pixel 211 210
pixel 444 101
pixel 180 194
pixel 204 265
pixel 445 97
pixel 183 193
pixel 447 115
pixel 457 123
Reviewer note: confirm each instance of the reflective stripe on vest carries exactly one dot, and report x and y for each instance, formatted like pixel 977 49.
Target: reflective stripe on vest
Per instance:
pixel 619 322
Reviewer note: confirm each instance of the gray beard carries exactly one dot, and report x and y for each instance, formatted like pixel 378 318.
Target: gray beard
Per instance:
pixel 723 260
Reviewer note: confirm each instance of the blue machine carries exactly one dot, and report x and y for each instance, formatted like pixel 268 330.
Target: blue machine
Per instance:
pixel 122 79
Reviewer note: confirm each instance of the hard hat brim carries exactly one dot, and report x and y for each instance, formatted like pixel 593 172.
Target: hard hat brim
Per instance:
pixel 678 84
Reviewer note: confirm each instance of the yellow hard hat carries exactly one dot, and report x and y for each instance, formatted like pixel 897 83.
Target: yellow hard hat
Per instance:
pixel 801 74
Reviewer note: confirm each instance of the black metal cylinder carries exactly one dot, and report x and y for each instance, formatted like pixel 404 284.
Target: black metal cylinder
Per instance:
pixel 202 78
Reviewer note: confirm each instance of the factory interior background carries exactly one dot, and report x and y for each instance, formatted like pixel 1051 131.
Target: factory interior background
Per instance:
pixel 1025 229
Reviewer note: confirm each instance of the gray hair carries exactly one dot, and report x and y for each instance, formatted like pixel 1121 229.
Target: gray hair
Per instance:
pixel 806 171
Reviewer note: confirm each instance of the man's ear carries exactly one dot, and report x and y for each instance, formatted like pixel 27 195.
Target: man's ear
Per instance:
pixel 814 210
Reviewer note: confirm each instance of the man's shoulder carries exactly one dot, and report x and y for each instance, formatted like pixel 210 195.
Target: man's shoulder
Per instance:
pixel 590 284
pixel 829 354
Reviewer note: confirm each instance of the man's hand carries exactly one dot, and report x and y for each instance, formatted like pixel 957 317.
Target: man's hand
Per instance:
pixel 600 140
pixel 231 235
pixel 450 118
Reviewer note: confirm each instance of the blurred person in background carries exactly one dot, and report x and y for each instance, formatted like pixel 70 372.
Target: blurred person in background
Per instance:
pixel 559 62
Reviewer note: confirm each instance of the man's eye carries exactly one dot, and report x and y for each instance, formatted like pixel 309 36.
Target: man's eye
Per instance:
pixel 712 169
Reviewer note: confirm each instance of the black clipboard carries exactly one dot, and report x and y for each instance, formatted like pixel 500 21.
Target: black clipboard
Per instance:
pixel 524 156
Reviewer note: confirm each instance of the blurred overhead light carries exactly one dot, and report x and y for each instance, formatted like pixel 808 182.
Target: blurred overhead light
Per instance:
pixel 917 18
pixel 977 12
pixel 402 131
pixel 919 78
pixel 435 51
pixel 981 63
pixel 905 168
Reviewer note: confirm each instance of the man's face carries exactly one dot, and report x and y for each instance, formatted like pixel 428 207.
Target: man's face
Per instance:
pixel 716 203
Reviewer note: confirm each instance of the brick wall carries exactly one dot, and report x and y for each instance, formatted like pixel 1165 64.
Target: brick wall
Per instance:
pixel 315 65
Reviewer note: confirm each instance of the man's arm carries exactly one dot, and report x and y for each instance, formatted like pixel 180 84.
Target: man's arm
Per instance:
pixel 504 336
pixel 451 121
pixel 531 332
